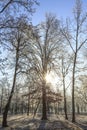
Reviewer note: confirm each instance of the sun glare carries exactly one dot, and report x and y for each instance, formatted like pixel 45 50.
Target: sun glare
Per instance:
pixel 48 78
pixel 52 79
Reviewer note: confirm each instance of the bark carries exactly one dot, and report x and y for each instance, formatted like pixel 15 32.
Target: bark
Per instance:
pixel 28 110
pixel 6 109
pixel 73 86
pixel 78 112
pixel 65 104
pixel 16 108
pixel 6 5
pixel 64 90
pixel 1 108
pixel 37 105
pixel 22 107
pixel 5 113
pixel 58 108
pixel 44 107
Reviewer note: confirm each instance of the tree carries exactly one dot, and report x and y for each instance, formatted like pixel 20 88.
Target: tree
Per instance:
pixel 6 14
pixel 46 51
pixel 64 73
pixel 17 41
pixel 4 123
pixel 76 38
pixel 10 9
pixel 3 93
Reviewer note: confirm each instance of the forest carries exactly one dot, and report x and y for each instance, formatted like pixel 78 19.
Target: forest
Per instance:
pixel 43 68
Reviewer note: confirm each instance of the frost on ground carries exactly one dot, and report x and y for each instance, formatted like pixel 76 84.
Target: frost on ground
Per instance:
pixel 23 122
pixel 81 120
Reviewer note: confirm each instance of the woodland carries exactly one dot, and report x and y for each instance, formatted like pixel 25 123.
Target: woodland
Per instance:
pixel 43 68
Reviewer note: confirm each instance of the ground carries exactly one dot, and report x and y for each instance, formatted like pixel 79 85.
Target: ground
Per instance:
pixel 24 122
pixel 82 121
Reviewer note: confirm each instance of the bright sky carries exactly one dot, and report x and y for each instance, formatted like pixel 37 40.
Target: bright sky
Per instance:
pixel 62 9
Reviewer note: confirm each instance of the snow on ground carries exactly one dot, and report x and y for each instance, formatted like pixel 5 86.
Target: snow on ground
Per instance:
pixel 23 122
pixel 82 121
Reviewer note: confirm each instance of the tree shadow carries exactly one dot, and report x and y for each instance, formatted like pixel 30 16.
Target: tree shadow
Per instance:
pixel 33 124
pixel 82 125
pixel 42 125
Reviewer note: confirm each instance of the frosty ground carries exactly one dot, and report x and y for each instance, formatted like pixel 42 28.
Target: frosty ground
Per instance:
pixel 24 122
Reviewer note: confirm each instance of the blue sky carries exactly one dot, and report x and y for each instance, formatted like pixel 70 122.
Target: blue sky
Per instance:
pixel 62 9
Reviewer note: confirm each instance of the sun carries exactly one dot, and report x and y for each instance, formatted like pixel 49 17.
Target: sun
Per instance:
pixel 48 78
pixel 52 79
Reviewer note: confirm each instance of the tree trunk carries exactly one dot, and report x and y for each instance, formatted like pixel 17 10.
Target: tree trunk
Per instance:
pixel 28 109
pixel 37 105
pixel 78 109
pixel 1 101
pixel 5 113
pixel 65 104
pixel 64 91
pixel 58 108
pixel 44 107
pixel 73 86
pixel 16 108
pixel 6 109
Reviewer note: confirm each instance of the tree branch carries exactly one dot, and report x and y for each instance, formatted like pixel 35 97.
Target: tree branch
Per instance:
pixel 2 10
pixel 82 44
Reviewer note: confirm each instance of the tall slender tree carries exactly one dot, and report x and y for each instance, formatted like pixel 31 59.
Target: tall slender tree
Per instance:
pixel 76 39
pixel 16 43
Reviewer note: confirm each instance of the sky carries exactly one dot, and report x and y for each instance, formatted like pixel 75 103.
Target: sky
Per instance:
pixel 62 9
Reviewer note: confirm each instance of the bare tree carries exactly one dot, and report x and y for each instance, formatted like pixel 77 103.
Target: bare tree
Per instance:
pixel 77 37
pixel 64 73
pixel 7 22
pixel 16 43
pixel 46 52
pixel 25 4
